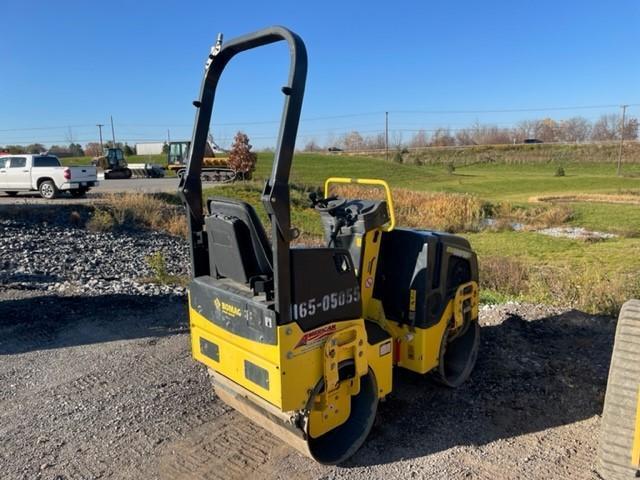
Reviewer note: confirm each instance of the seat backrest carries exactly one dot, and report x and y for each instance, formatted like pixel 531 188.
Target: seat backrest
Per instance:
pixel 238 245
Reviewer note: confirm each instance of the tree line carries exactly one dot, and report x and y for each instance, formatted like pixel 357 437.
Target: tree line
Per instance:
pixel 547 130
pixel 91 149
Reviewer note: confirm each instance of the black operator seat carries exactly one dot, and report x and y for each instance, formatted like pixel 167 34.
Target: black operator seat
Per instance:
pixel 238 245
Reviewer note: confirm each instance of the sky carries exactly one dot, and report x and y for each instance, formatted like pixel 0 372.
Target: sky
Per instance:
pixel 66 66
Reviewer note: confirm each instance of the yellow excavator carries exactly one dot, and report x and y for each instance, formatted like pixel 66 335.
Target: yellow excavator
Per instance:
pixel 620 432
pixel 214 169
pixel 305 340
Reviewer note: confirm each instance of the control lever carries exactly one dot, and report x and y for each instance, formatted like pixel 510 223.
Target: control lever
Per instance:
pixel 340 222
pixel 313 197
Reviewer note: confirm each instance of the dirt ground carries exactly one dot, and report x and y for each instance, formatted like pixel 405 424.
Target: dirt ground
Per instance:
pixel 104 387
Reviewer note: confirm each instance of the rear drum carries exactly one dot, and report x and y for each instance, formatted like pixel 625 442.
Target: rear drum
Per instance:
pixel 342 442
pixel 458 356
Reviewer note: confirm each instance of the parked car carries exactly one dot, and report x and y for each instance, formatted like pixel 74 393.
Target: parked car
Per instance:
pixel 43 173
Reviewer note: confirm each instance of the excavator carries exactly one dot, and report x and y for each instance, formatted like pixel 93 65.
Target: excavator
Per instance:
pixel 305 340
pixel 214 169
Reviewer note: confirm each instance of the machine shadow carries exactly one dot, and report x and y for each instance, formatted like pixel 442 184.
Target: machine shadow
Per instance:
pixel 530 376
pixel 51 321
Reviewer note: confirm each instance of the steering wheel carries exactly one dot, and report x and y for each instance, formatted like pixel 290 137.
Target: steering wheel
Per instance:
pixel 328 205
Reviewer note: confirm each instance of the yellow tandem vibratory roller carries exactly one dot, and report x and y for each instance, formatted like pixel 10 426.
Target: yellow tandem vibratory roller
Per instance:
pixel 304 340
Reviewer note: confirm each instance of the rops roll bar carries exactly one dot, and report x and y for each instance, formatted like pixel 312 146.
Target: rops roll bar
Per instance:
pixel 275 195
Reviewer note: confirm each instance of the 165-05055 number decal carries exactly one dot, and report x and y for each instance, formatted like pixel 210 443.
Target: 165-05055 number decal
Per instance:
pixel 327 303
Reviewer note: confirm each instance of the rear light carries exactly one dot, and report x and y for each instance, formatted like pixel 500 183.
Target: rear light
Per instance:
pixel 67 174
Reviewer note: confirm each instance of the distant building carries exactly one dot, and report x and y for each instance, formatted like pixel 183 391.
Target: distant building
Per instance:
pixel 149 148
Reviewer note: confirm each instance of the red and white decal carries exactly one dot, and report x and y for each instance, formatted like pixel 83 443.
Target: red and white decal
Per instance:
pixel 368 283
pixel 315 336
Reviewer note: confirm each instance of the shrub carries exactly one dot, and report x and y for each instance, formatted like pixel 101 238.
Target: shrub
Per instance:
pixel 158 266
pixel 559 172
pixel 415 160
pixel 540 216
pixel 397 157
pixel 241 158
pixel 450 168
pixel 138 210
pixel 101 221
pixel 505 275
pixel 588 288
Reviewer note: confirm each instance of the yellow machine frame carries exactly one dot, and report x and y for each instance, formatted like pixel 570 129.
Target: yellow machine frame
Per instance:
pixel 300 359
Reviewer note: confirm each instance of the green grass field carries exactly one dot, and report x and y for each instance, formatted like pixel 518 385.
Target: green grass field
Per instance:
pixel 596 276
pixel 497 182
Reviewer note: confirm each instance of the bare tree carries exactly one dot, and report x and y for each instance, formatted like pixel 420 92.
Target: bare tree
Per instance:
pixel 93 149
pixel 464 136
pixel 607 127
pixel 547 130
pixel 395 139
pixel 374 142
pixel 353 141
pixel 419 140
pixel 442 138
pixel 631 129
pixel 493 135
pixel 481 134
pixel 312 146
pixel 576 129
pixel 526 129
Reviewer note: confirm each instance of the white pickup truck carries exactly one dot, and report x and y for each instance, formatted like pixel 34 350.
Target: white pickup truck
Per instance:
pixel 43 173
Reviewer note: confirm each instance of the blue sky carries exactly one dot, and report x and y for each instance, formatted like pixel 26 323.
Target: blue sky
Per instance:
pixel 68 65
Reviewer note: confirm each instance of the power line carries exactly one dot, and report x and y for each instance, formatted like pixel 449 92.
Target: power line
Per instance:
pixel 348 115
pixel 45 128
pixel 510 110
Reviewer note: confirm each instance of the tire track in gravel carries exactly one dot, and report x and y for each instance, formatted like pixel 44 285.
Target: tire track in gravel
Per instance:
pixel 229 447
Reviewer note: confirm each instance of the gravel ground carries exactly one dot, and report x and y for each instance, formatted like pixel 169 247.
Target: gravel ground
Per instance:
pixel 72 260
pixel 98 383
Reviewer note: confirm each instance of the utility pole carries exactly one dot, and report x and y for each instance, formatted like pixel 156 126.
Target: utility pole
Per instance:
pixel 386 135
pixel 624 110
pixel 168 137
pixel 113 133
pixel 100 125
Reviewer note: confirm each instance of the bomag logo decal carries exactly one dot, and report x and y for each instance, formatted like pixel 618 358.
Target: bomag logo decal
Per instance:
pixel 227 308
pixel 315 336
